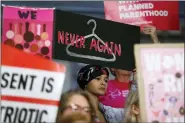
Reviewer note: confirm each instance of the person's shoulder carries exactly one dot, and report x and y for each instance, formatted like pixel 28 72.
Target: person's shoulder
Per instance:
pixel 105 107
pixel 112 114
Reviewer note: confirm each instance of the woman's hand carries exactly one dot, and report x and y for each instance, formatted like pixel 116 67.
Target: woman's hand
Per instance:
pixel 151 30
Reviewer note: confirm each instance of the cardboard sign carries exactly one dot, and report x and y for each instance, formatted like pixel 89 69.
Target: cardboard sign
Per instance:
pixel 29 29
pixel 91 40
pixel 144 13
pixel 161 82
pixel 31 87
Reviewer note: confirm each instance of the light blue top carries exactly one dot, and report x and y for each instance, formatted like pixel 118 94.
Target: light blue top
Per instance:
pixel 112 114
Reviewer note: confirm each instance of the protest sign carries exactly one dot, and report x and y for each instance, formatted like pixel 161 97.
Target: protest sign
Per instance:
pixel 91 40
pixel 30 87
pixel 160 73
pixel 161 14
pixel 29 29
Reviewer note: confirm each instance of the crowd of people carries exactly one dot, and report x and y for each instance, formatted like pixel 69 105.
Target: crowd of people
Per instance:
pixel 84 105
pixel 100 99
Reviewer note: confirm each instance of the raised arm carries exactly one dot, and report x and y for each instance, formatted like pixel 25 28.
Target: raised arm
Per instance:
pixel 151 30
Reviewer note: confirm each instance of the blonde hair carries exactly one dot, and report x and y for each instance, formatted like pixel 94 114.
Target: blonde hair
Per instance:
pixel 76 117
pixel 132 99
pixel 67 96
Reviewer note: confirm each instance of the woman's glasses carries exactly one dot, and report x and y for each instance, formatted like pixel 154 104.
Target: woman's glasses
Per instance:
pixel 77 108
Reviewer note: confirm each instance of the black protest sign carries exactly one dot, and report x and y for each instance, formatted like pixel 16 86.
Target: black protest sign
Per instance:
pixel 91 40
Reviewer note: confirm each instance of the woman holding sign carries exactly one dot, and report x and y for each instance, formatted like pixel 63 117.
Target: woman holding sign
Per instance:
pixel 94 79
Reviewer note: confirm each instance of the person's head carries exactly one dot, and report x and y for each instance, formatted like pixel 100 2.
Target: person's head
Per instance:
pixel 121 75
pixel 131 109
pixel 75 101
pixel 94 79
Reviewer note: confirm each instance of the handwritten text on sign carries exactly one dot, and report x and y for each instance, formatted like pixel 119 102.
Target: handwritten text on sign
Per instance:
pixel 163 77
pixel 69 38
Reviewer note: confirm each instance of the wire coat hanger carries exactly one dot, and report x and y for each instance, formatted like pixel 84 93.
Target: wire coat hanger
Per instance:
pixel 89 56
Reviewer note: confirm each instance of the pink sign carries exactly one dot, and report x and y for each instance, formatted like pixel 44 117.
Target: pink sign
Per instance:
pixel 29 29
pixel 161 74
pixel 164 15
